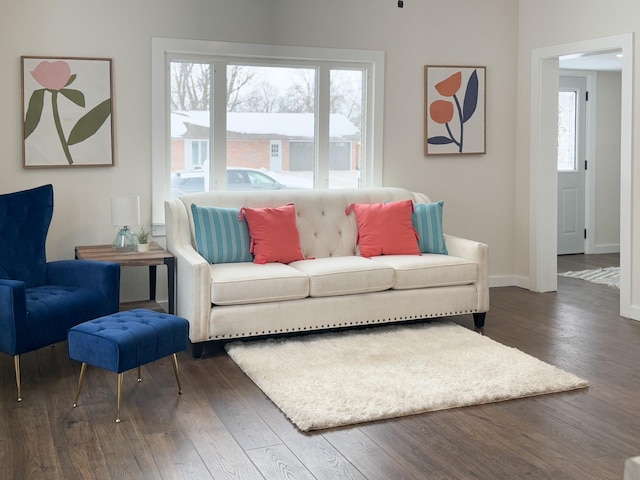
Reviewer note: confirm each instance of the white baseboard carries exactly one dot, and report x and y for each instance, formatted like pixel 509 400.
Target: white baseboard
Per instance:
pixel 633 313
pixel 601 249
pixel 509 281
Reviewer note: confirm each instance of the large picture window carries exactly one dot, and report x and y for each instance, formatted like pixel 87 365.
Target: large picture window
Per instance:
pixel 230 116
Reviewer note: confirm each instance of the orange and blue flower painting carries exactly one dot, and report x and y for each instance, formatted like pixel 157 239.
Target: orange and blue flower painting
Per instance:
pixel 455 110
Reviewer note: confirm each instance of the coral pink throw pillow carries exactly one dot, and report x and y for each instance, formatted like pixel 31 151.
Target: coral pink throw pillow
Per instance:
pixel 274 234
pixel 386 228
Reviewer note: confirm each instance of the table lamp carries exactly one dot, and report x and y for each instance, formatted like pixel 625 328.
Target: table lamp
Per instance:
pixel 125 212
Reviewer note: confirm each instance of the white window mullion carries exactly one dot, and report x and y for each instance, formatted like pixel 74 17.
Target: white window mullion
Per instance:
pixel 322 126
pixel 218 167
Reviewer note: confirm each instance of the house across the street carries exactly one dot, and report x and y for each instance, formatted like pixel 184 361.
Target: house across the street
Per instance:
pixel 270 141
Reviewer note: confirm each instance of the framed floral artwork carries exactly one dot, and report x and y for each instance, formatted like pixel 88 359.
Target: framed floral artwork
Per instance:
pixel 455 110
pixel 67 117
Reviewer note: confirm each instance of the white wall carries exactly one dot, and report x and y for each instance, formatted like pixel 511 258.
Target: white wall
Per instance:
pixel 607 163
pixel 478 190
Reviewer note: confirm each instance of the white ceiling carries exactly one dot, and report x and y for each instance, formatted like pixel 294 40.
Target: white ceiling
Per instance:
pixel 603 60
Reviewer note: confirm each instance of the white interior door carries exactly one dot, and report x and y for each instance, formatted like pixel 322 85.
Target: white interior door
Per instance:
pixel 571 164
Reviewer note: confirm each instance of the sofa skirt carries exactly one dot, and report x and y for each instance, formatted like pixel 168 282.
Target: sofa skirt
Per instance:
pixel 309 314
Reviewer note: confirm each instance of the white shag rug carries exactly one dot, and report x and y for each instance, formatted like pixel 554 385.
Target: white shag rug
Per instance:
pixel 331 379
pixel 605 276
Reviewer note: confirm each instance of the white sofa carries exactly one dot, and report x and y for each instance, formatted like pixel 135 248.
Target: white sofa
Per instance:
pixel 333 287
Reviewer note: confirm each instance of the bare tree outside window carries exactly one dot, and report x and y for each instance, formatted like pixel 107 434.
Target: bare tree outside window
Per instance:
pixel 254 89
pixel 190 86
pixel 240 83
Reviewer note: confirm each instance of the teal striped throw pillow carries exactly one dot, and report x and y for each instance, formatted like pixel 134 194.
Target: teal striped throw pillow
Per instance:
pixel 220 236
pixel 427 220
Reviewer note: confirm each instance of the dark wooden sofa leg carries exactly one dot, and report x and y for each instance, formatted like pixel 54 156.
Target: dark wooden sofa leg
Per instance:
pixel 478 320
pixel 197 349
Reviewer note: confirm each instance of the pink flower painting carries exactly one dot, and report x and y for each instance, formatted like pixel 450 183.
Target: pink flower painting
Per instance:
pixel 56 79
pixel 52 75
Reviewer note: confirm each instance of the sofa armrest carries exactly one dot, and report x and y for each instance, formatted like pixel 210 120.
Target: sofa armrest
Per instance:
pixel 478 253
pixel 193 272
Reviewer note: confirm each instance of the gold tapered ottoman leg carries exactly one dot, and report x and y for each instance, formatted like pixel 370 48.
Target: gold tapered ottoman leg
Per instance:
pixel 175 369
pixel 83 370
pixel 16 366
pixel 120 378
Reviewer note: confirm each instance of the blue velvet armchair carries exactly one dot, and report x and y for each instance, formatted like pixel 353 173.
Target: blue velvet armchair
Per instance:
pixel 39 300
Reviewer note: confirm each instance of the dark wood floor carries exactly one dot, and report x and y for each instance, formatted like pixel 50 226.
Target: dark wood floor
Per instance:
pixel 224 427
pixel 567 263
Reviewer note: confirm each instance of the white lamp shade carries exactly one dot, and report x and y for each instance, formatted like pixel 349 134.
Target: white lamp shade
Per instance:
pixel 125 211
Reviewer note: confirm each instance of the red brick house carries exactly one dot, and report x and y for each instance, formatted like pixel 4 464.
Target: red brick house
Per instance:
pixel 271 141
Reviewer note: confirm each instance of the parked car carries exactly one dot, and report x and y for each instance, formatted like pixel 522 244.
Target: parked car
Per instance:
pixel 238 178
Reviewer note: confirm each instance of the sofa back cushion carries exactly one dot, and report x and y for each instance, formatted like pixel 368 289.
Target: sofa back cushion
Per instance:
pixel 324 228
pixel 221 237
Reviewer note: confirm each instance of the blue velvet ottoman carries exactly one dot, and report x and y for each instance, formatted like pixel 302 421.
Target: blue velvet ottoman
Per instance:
pixel 126 340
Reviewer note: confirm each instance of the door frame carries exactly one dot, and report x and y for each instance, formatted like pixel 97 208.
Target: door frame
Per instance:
pixel 543 181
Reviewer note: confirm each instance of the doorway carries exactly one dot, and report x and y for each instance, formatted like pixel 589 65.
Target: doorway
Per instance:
pixel 543 168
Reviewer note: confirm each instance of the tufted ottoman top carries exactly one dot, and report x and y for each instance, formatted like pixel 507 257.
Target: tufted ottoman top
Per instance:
pixel 125 340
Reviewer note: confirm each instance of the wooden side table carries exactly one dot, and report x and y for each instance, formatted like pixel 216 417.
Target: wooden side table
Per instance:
pixel 131 258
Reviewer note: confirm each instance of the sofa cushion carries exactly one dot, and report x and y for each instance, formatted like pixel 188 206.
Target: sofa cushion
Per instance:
pixel 427 220
pixel 386 229
pixel 220 236
pixel 274 234
pixel 344 275
pixel 239 283
pixel 429 270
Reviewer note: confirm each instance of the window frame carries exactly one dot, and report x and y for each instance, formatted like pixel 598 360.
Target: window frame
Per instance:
pixel 164 50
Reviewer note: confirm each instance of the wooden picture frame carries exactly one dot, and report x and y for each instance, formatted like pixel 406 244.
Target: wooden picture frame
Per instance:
pixel 454 110
pixel 67 112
